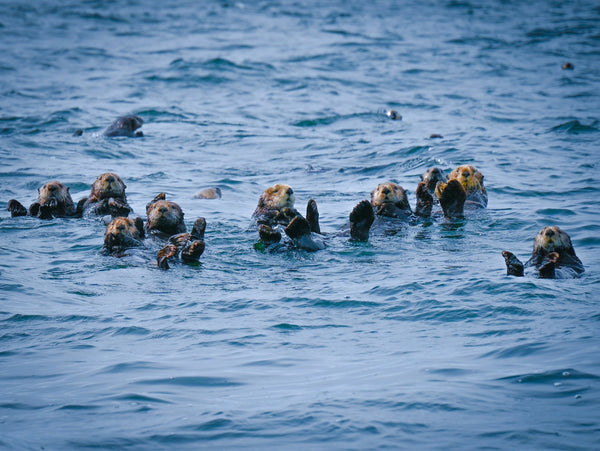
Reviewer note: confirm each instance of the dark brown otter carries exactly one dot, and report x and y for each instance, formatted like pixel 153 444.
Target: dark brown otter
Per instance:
pixel 107 197
pixel 54 200
pixel 123 233
pixel 188 247
pixel 276 206
pixel 553 256
pixel 164 217
pixel 125 126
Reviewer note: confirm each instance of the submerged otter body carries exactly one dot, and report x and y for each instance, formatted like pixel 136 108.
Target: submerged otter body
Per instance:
pixel 54 201
pixel 107 197
pixel 125 126
pixel 553 257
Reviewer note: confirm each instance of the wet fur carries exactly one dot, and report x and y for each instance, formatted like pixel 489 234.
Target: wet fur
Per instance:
pixel 553 256
pixel 123 233
pixel 472 182
pixel 125 126
pixel 107 197
pixel 164 217
pixel 276 206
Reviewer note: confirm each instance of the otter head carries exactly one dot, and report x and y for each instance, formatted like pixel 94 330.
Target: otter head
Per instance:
pixel 552 239
pixel 131 122
pixel 123 233
pixel 108 185
pixel 165 216
pixel 389 193
pixel 277 197
pixel 469 177
pixel 432 176
pixel 54 194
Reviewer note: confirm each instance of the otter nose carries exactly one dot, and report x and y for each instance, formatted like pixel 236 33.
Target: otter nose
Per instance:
pixel 386 191
pixel 290 191
pixel 466 173
pixel 549 233
pixel 163 209
pixel 110 179
pixel 52 188
pixel 121 228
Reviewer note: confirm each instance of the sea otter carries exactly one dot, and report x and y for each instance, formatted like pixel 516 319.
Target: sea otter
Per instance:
pixel 472 182
pixel 553 256
pixel 431 177
pixel 123 233
pixel 165 218
pixel 208 193
pixel 125 126
pixel 276 208
pixel 185 246
pixel 388 210
pixel 54 200
pixel 107 197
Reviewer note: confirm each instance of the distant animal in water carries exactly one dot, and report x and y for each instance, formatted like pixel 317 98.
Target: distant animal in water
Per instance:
pixel 125 126
pixel 394 115
pixel 553 256
pixel 54 201
pixel 568 66
pixel 208 193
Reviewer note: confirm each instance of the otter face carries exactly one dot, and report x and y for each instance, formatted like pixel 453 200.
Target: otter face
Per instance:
pixel 122 233
pixel 108 185
pixel 469 177
pixel 552 239
pixel 131 123
pixel 389 193
pixel 432 176
pixel 277 196
pixel 165 216
pixel 54 194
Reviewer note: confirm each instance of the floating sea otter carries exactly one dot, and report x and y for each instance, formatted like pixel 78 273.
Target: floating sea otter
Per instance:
pixel 276 208
pixel 389 207
pixel 165 221
pixel 123 233
pixel 107 197
pixel 125 126
pixel 472 182
pixel 54 200
pixel 553 256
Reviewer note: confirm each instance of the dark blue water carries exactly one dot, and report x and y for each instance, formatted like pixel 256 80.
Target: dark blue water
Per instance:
pixel 417 340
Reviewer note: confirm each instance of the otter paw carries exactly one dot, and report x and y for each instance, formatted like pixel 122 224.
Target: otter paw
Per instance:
pixel 16 208
pixel 164 254
pixel 193 252
pixel 198 229
pixel 268 235
pixel 361 219
pixel 514 267
pixel 312 216
pixel 453 199
pixel 424 201
pixel 548 269
pixel 298 227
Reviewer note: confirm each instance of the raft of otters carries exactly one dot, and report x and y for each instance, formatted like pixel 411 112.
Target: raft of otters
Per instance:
pixel 281 226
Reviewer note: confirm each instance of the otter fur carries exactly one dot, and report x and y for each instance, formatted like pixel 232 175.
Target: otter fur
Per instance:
pixel 54 201
pixel 553 256
pixel 107 197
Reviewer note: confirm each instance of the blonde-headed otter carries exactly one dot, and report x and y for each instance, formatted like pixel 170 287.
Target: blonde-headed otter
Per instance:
pixel 123 233
pixel 276 208
pixel 472 182
pixel 107 197
pixel 53 200
pixel 553 256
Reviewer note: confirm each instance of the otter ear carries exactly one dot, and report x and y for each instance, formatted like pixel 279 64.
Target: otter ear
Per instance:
pixel 159 196
pixel 139 224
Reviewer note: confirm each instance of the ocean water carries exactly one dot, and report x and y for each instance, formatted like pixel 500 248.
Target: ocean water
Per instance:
pixel 417 340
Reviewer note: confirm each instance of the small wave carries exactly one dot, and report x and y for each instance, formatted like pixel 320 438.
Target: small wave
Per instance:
pixel 550 377
pixel 575 127
pixel 191 381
